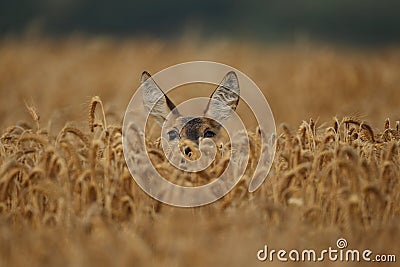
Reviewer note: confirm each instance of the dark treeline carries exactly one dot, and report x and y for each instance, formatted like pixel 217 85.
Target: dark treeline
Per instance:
pixel 352 21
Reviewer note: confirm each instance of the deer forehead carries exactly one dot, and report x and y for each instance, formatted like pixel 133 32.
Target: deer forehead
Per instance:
pixel 197 123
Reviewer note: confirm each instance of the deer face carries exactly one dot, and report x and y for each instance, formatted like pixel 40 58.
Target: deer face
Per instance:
pixel 185 129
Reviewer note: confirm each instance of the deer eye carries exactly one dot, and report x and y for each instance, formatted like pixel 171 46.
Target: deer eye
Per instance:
pixel 209 134
pixel 172 135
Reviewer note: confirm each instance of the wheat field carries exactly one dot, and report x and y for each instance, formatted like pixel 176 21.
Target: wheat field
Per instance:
pixel 68 199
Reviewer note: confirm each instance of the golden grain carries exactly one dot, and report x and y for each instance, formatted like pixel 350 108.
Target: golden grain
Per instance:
pixel 67 197
pixel 92 110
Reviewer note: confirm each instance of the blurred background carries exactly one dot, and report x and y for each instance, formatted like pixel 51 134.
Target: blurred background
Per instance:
pixel 365 22
pixel 310 58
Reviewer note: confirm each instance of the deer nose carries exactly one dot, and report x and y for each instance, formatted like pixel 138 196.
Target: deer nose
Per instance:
pixel 187 150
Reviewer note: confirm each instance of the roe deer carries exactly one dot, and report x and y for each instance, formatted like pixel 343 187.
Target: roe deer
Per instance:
pixel 222 103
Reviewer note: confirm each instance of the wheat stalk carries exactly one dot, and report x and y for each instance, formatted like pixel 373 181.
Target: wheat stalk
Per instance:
pixel 92 109
pixel 34 114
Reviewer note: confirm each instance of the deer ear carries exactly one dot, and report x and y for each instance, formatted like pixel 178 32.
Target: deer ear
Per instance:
pixel 154 99
pixel 225 98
